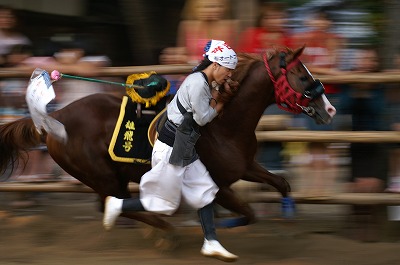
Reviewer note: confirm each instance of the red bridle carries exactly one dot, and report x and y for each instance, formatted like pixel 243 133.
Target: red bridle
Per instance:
pixel 285 96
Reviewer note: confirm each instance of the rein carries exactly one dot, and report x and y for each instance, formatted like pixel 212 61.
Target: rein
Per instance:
pixel 286 97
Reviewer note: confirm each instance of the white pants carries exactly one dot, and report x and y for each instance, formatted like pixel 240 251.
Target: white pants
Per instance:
pixel 163 186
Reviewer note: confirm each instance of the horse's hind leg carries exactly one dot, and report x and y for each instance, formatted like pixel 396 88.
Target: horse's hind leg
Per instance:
pixel 160 230
pixel 149 218
pixel 104 182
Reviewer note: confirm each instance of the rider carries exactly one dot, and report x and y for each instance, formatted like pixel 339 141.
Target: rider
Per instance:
pixel 176 168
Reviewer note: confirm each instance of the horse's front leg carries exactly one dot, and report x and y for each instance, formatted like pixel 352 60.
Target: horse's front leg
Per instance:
pixel 152 219
pixel 228 199
pixel 164 234
pixel 256 173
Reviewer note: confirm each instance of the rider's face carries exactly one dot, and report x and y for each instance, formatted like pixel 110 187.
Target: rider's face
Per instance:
pixel 221 73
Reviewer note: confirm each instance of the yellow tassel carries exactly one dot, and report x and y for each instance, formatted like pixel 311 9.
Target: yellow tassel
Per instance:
pixel 137 98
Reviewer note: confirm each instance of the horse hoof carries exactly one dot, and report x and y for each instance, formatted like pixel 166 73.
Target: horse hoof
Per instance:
pixel 164 245
pixel 149 232
pixel 288 208
pixel 167 242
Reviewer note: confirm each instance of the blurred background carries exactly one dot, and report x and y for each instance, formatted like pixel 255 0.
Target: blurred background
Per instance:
pixel 134 32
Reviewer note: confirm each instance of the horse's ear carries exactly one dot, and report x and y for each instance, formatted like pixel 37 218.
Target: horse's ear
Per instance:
pixel 297 52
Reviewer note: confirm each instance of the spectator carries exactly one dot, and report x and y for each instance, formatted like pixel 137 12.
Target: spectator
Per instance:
pixel 321 55
pixel 204 20
pixel 173 55
pixel 322 45
pixel 12 90
pixel 366 104
pixel 270 31
pixel 393 100
pixel 369 161
pixel 13 46
pixel 322 50
pixel 12 99
pixel 70 55
pixel 9 35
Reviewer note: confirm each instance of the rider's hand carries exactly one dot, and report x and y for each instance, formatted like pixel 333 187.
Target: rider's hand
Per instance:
pixel 228 90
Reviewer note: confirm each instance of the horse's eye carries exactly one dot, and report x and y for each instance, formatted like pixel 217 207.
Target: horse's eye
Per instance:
pixel 303 78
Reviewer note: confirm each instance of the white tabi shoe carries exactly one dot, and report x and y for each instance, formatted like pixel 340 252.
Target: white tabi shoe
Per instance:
pixel 112 209
pixel 212 248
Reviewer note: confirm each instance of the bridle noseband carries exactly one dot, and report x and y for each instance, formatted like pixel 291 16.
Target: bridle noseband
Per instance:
pixel 285 96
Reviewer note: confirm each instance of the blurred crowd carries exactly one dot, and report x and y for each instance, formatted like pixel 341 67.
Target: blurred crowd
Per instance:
pixel 373 167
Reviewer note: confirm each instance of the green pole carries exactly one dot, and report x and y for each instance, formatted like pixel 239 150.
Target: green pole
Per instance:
pixel 101 81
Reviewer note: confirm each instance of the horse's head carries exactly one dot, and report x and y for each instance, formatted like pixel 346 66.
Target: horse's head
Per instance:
pixel 295 88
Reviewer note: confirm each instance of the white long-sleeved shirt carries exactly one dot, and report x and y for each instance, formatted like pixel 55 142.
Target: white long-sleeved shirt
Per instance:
pixel 194 95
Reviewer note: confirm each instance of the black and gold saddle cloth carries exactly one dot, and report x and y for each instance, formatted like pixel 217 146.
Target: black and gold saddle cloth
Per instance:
pixel 130 142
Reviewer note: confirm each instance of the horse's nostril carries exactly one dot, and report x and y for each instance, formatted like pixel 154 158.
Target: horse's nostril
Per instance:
pixel 331 110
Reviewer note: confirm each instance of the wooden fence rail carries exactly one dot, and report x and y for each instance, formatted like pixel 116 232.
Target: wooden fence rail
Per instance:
pixel 329 136
pixel 338 198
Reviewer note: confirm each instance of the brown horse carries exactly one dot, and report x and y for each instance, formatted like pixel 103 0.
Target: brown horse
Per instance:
pixel 227 146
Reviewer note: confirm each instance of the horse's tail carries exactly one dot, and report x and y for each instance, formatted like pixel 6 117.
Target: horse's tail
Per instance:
pixel 16 138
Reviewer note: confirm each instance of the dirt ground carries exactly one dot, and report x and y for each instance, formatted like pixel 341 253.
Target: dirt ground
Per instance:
pixel 66 229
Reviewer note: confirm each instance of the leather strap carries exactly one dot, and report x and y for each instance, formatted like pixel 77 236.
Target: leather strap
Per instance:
pixel 180 107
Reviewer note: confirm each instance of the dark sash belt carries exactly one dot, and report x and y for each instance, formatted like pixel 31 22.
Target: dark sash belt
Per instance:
pixel 167 133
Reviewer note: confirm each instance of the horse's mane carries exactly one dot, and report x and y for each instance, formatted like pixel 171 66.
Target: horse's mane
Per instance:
pixel 245 63
pixel 246 60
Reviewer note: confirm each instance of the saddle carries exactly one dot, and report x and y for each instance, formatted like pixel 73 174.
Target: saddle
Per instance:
pixel 156 125
pixel 131 141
